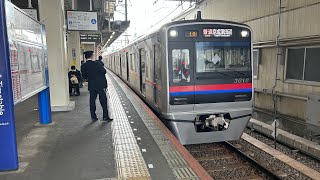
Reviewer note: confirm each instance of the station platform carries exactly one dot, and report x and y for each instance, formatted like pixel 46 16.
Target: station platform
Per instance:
pixel 135 145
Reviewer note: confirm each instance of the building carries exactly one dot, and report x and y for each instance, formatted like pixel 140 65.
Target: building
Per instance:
pixel 293 52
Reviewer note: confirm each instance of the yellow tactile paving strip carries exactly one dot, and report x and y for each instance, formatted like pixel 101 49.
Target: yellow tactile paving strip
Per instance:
pixel 129 160
pixel 313 174
pixel 180 167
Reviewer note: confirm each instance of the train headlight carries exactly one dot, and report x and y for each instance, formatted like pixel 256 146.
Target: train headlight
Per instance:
pixel 173 33
pixel 244 33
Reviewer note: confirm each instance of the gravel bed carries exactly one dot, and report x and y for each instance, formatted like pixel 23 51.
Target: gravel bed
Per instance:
pixel 270 162
pixel 237 173
pixel 221 163
pixel 294 154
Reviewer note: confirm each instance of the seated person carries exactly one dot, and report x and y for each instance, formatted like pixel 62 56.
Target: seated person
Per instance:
pixel 75 78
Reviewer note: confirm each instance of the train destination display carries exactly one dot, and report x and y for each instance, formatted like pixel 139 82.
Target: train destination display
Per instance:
pixel 217 32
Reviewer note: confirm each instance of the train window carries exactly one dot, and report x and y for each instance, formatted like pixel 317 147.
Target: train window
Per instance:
pixel 180 64
pixel 136 58
pixel 132 64
pixel 147 63
pixel 123 62
pixel 157 61
pixel 223 56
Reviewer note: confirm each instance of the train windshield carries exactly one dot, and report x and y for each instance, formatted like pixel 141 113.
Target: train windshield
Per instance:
pixel 223 56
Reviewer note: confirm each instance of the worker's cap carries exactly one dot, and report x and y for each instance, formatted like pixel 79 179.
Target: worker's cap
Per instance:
pixel 88 54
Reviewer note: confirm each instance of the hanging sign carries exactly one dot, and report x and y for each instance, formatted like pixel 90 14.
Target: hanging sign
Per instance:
pixel 82 21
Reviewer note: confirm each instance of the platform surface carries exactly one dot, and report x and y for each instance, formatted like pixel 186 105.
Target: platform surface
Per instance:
pixel 73 147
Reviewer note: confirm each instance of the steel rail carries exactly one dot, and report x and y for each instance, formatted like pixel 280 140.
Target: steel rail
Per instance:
pixel 253 162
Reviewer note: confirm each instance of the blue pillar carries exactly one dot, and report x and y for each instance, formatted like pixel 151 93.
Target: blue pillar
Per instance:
pixel 44 96
pixel 8 145
pixel 44 106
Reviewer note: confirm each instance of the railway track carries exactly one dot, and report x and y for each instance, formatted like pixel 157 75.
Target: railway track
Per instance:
pixel 226 161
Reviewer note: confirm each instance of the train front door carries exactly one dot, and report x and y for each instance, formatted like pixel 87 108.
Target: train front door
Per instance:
pixel 142 66
pixel 181 69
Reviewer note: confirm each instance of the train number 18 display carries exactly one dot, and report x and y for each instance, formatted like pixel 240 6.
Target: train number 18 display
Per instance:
pixel 191 34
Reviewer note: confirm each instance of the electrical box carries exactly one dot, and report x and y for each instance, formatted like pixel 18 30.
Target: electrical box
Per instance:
pixel 313 109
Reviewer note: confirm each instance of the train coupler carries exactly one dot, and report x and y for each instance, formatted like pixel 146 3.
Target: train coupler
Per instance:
pixel 214 122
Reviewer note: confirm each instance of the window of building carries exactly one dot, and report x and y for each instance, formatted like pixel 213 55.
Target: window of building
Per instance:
pixel 303 64
pixel 256 62
pixel 180 65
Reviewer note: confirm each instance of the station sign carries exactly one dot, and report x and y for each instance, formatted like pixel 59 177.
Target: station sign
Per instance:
pixel 82 21
pixel 90 38
pixel 8 150
pixel 217 32
pixel 26 54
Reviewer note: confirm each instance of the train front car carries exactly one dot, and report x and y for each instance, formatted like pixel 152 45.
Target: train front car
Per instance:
pixel 210 80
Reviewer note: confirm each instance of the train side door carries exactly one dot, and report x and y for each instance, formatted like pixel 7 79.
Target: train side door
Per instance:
pixel 127 60
pixel 142 67
pixel 181 76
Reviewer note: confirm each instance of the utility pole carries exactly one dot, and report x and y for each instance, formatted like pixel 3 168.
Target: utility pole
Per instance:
pixel 109 23
pixel 126 9
pixel 29 4
pixel 90 5
pixel 73 5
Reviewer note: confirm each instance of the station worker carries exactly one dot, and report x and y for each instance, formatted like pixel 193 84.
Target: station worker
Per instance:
pixel 75 78
pixel 95 74
pixel 100 60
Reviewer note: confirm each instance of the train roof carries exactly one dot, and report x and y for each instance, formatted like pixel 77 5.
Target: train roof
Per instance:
pixel 202 20
pixel 176 23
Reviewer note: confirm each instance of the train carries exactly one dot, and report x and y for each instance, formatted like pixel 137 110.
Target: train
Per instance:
pixel 195 74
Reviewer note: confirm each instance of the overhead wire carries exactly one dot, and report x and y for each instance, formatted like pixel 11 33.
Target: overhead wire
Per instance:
pixel 165 16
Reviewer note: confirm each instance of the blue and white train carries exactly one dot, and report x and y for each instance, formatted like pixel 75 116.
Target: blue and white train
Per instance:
pixel 196 74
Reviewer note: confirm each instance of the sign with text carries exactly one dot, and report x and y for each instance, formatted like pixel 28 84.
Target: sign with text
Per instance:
pixel 90 38
pixel 26 54
pixel 217 32
pixel 8 145
pixel 82 21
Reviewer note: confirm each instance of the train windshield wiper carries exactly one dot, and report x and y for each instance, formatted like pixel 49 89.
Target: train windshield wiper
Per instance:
pixel 239 72
pixel 222 73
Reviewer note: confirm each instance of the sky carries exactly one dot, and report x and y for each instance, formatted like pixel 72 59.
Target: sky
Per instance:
pixel 145 15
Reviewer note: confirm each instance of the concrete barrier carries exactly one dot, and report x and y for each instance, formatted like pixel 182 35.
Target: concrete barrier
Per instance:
pixel 297 142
